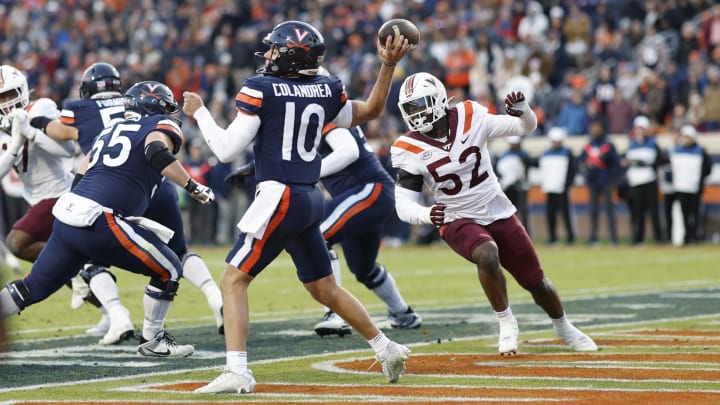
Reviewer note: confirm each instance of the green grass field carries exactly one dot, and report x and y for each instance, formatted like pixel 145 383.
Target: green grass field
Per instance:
pixel 607 291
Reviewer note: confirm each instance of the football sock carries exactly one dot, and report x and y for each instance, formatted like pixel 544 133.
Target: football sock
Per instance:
pixel 105 290
pixel 505 315
pixel 7 304
pixel 390 295
pixel 236 361
pixel 155 312
pixel 196 272
pixel 379 342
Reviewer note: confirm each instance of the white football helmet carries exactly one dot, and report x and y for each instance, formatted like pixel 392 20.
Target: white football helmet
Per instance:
pixel 14 91
pixel 422 102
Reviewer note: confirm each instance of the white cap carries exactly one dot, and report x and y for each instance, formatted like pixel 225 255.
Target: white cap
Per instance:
pixel 514 140
pixel 557 12
pixel 688 130
pixel 641 121
pixel 557 134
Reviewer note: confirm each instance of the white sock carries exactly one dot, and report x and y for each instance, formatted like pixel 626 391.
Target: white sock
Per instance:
pixel 196 272
pixel 155 312
pixel 390 295
pixel 8 306
pixel 105 290
pixel 506 315
pixel 379 342
pixel 236 361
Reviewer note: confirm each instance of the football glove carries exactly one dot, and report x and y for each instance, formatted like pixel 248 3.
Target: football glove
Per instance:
pixel 19 121
pixel 437 214
pixel 513 103
pixel 199 192
pixel 238 176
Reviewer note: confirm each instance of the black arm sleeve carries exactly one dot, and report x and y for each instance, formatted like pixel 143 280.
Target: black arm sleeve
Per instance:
pixel 158 155
pixel 409 181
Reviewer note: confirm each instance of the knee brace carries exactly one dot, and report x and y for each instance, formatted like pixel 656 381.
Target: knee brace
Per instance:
pixel 376 277
pixel 168 289
pixel 19 293
pixel 88 272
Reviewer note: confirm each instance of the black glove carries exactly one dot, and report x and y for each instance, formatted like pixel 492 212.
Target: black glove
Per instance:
pixel 238 176
pixel 513 99
pixel 437 214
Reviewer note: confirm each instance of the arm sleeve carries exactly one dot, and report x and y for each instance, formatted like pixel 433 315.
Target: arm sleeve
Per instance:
pixel 6 162
pixel 344 151
pixel 408 208
pixel 507 125
pixel 228 143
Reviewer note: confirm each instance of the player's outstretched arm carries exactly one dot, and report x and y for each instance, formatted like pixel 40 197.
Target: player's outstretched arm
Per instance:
pixel 390 55
pixel 226 144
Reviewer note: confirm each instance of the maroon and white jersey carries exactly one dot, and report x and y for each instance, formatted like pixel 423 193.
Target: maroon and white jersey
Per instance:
pixel 44 165
pixel 458 169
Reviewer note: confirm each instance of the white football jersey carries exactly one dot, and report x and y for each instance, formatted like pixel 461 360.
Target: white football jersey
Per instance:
pixel 458 170
pixel 43 165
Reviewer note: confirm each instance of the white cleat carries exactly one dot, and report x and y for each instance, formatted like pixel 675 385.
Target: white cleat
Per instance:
pixel 508 340
pixel 164 345
pixel 577 340
pixel 332 324
pixel 121 327
pixel 228 381
pixel 80 291
pixel 393 360
pixel 101 328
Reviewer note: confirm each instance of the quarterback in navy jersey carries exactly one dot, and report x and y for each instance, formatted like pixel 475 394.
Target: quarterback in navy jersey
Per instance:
pixel 100 103
pixel 100 219
pixel 284 111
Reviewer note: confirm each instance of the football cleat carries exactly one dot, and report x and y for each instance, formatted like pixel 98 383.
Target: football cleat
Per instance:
pixel 229 381
pixel 121 327
pixel 332 324
pixel 80 291
pixel 164 345
pixel 393 360
pixel 508 339
pixel 405 320
pixel 577 340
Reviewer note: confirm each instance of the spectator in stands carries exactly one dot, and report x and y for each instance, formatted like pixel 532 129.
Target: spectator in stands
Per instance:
pixel 599 163
pixel 198 167
pixel 711 100
pixel 690 165
pixel 619 113
pixel 641 161
pixel 557 176
pixel 574 115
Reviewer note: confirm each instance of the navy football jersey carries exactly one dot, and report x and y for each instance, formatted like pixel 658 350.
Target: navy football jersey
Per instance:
pixel 292 114
pixel 118 175
pixel 90 117
pixel 366 169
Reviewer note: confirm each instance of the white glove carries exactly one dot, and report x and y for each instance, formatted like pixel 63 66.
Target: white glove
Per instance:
pixel 199 192
pixel 19 120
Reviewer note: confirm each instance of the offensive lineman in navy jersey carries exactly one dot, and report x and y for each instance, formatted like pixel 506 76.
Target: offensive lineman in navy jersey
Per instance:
pixel 100 219
pixel 284 111
pixel 100 102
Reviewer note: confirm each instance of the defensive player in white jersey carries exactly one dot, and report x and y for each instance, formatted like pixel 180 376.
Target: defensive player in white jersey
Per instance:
pixel 283 112
pixel 43 164
pixel 446 149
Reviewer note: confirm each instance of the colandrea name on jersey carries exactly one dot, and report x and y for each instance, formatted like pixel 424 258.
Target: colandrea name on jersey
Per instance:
pixel 91 116
pixel 122 177
pixel 292 113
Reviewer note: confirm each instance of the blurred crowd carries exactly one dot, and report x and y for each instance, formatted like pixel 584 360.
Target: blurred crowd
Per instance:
pixel 578 61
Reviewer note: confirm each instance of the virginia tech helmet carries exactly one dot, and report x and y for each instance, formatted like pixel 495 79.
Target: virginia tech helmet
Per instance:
pixel 151 98
pixel 422 101
pixel 296 48
pixel 14 91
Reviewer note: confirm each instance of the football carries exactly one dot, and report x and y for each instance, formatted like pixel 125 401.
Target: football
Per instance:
pixel 397 27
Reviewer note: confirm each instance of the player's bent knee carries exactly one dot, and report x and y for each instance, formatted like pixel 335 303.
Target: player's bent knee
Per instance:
pixel 19 293
pixel 374 278
pixel 168 289
pixel 93 270
pixel 486 257
pixel 541 286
